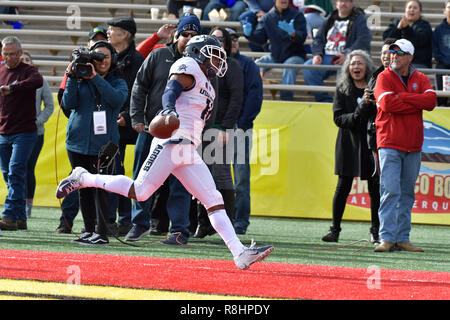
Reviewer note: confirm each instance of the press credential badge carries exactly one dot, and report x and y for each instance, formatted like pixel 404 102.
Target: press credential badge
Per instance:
pixel 99 122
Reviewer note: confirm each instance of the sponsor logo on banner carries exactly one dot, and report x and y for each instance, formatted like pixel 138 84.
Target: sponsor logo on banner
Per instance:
pixel 432 188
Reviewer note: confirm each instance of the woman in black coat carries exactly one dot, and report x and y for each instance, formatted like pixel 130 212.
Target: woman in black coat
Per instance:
pixel 352 155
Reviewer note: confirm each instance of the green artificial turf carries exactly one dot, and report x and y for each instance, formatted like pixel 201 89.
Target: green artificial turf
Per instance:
pixel 295 241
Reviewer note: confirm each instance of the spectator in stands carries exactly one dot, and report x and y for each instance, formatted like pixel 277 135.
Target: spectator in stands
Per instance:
pixel 71 204
pixel 43 95
pixel 237 7
pixel 367 110
pixel 121 33
pixel 352 155
pixel 96 100
pixel 343 32
pixel 146 96
pixel 441 50
pixel 401 93
pixel 11 10
pixel 315 12
pixel 174 6
pixel 285 28
pixel 18 131
pixel 257 9
pixel 251 106
pixel 230 96
pixel 417 30
pixel 165 32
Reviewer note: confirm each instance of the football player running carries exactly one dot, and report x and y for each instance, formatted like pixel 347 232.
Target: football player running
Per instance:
pixel 188 95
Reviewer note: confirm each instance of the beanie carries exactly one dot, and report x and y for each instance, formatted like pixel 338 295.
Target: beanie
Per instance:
pixel 189 23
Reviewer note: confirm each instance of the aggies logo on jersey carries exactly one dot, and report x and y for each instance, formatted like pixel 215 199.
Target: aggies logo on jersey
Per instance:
pixel 182 68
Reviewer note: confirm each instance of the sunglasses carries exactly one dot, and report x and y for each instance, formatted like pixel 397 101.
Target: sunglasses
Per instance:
pixel 221 39
pixel 187 34
pixel 398 52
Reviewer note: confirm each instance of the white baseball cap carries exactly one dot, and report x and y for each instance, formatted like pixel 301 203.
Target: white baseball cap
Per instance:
pixel 404 45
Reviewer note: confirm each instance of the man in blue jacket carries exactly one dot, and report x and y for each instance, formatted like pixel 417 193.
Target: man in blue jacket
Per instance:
pixel 285 28
pixel 344 31
pixel 251 106
pixel 441 49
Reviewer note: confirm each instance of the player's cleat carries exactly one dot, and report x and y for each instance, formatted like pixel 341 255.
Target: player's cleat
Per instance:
pixel 71 183
pixel 251 255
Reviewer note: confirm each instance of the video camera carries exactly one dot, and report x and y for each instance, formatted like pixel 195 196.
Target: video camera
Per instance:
pixel 81 58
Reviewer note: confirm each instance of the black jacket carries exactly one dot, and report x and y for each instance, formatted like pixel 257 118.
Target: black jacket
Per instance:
pixel 230 96
pixel 352 155
pixel 129 62
pixel 150 83
pixel 368 112
pixel 420 34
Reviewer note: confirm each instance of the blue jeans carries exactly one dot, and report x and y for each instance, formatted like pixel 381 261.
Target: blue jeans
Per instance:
pixel 241 170
pixel 313 21
pixel 140 211
pixel 70 206
pixel 316 77
pixel 289 74
pixel 15 151
pixel 399 172
pixel 235 11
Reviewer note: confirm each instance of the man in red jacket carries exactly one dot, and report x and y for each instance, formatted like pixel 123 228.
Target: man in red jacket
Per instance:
pixel 401 93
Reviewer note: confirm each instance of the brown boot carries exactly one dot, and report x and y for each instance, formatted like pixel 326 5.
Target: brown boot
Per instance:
pixel 21 225
pixel 8 224
pixel 407 246
pixel 384 246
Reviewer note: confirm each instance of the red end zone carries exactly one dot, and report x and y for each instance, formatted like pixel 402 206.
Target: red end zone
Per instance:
pixel 270 280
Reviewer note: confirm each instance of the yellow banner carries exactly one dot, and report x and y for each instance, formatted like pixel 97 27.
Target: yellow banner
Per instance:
pixel 292 165
pixel 305 182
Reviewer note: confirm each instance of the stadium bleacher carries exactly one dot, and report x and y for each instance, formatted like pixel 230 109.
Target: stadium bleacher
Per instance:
pixel 52 29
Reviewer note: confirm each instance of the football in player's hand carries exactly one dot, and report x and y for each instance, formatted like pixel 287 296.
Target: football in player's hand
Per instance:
pixel 164 125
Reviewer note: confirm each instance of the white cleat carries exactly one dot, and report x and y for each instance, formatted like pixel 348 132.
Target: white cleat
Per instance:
pixel 71 183
pixel 251 255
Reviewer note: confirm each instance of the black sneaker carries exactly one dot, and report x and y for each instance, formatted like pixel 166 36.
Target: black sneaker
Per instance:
pixel 176 239
pixel 97 240
pixel 64 228
pixel 124 229
pixel 156 232
pixel 84 238
pixel 375 238
pixel 333 236
pixel 136 233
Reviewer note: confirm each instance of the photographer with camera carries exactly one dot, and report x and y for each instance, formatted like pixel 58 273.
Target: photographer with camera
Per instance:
pixel 96 95
pixel 70 205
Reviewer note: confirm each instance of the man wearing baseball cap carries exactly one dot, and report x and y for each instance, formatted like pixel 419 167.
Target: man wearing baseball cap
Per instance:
pixel 401 94
pixel 97 33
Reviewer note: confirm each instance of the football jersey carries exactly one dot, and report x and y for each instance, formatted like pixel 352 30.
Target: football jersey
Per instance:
pixel 195 104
